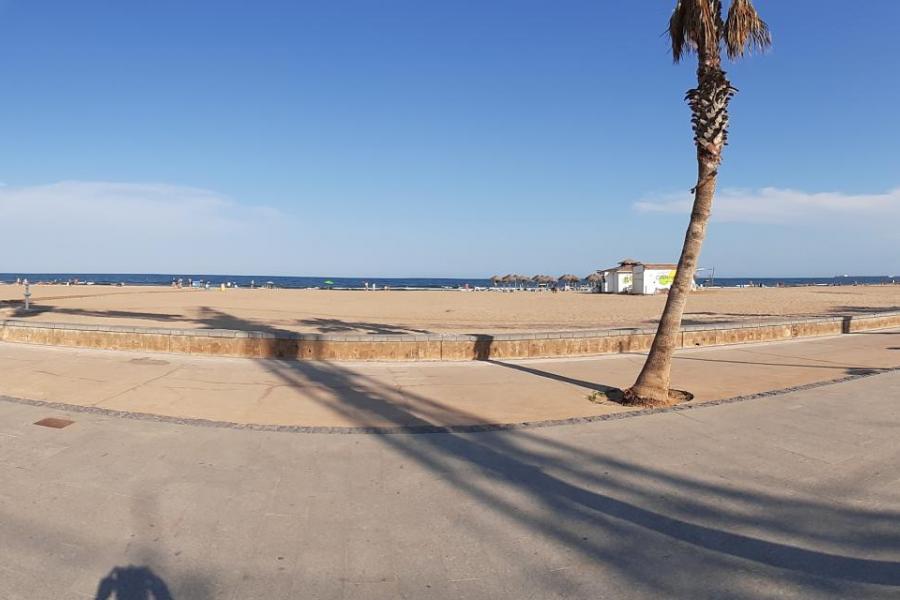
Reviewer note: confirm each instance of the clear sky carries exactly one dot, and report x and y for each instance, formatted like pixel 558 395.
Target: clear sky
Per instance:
pixel 434 138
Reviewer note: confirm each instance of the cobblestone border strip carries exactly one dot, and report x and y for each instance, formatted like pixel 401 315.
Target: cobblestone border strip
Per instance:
pixel 437 429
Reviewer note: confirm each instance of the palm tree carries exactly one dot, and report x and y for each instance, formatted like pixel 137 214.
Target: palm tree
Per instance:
pixel 697 27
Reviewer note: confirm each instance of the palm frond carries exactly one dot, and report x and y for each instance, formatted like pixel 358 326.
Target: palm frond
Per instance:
pixel 694 24
pixel 680 42
pixel 745 30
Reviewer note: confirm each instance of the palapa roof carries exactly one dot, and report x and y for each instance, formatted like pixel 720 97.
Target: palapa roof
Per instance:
pixel 626 265
pixel 618 269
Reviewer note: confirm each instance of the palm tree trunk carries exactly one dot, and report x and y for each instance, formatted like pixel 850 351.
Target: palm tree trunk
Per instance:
pixel 652 385
pixel 709 103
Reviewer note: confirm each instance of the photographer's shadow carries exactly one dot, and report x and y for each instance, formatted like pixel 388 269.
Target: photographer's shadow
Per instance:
pixel 132 583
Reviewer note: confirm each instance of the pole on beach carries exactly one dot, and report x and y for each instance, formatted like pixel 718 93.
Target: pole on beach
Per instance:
pixel 27 295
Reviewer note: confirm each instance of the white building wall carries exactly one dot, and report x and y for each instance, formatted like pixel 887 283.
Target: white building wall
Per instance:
pixel 617 282
pixel 610 282
pixel 652 281
pixel 638 286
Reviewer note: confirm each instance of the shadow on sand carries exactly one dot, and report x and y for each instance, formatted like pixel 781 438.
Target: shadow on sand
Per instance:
pixel 212 318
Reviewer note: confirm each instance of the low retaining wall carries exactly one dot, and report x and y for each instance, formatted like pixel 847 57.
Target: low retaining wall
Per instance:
pixel 302 346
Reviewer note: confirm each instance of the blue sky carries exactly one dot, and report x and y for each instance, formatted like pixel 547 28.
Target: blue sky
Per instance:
pixel 440 138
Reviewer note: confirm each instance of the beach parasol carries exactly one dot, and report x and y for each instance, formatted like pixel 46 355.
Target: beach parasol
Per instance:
pixel 508 280
pixel 542 279
pixel 569 278
pixel 495 279
pixel 594 278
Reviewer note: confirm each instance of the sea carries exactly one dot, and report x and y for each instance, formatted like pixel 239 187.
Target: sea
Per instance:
pixel 396 283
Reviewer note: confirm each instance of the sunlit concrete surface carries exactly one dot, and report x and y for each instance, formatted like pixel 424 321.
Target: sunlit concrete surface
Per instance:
pixel 419 395
pixel 794 496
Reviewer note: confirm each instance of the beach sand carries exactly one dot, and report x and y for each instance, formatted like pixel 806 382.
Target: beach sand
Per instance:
pixel 338 311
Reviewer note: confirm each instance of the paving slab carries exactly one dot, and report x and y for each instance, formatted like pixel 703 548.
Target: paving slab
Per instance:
pixel 791 496
pixel 417 395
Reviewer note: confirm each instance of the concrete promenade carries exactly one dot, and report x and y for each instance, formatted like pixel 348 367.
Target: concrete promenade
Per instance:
pixel 418 395
pixel 788 496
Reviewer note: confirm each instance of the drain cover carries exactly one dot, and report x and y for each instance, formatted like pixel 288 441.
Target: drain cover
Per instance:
pixel 54 422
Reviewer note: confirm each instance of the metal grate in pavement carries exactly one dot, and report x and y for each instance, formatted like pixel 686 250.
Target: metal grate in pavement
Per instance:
pixel 54 422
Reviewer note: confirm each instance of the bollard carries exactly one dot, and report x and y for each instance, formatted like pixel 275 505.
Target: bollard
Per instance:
pixel 27 295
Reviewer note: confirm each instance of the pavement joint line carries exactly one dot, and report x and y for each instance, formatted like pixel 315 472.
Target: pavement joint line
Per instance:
pixel 136 386
pixel 426 429
pixel 795 357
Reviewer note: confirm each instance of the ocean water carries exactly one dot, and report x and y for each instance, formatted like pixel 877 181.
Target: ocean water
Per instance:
pixel 393 283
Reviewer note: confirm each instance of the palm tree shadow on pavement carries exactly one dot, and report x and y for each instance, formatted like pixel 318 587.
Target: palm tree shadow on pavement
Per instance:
pixel 622 514
pixel 597 387
pixel 609 510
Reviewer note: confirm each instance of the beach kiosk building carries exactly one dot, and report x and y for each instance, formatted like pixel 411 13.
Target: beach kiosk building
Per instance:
pixel 652 278
pixel 618 280
pixel 634 277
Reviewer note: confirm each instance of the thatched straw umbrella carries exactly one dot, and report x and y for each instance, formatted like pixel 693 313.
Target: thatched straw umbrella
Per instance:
pixel 569 279
pixel 495 279
pixel 595 279
pixel 510 280
pixel 542 279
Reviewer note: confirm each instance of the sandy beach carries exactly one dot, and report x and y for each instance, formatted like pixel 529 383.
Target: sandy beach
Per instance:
pixel 331 311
